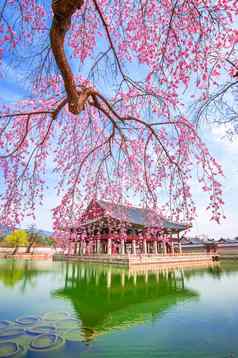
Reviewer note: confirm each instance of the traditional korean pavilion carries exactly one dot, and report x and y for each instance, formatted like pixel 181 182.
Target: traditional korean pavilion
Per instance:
pixel 111 229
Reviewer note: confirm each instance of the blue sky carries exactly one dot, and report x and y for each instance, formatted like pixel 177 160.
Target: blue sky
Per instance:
pixel 223 149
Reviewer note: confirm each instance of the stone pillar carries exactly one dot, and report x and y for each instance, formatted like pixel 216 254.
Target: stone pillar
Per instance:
pixel 122 247
pixel 144 247
pixel 109 246
pixel 155 247
pixel 164 248
pixel 133 246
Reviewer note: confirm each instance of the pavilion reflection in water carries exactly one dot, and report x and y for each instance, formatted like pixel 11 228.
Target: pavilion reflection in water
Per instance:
pixel 107 298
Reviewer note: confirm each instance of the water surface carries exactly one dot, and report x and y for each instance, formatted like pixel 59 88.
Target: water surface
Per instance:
pixel 115 312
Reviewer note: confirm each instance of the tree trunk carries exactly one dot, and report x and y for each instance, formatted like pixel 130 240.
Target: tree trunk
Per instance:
pixel 29 247
pixel 15 250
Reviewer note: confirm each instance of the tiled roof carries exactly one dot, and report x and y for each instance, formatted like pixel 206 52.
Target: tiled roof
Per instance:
pixel 139 216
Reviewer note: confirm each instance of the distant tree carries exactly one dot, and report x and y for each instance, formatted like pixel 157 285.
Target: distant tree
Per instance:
pixel 36 238
pixel 48 241
pixel 33 238
pixel 17 238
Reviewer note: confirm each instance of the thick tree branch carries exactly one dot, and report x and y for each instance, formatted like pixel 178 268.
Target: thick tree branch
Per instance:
pixel 63 11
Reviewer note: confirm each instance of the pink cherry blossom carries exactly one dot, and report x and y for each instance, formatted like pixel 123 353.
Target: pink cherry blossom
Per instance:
pixel 131 141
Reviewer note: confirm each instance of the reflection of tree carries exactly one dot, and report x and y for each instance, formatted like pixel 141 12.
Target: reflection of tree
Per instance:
pixel 13 272
pixel 105 298
pixel 225 269
pixel 216 270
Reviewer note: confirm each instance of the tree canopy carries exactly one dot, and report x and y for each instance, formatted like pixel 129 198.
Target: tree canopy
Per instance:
pixel 16 239
pixel 106 85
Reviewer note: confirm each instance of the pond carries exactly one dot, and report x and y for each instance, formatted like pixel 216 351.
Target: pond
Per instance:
pixel 76 310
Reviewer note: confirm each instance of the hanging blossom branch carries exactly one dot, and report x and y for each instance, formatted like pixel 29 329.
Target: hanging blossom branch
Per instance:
pixel 125 137
pixel 145 151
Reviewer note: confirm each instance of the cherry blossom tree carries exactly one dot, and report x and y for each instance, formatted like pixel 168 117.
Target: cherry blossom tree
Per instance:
pixel 220 109
pixel 108 83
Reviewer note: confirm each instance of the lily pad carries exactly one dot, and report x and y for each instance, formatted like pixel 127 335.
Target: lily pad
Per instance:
pixel 4 324
pixel 27 320
pixel 56 316
pixel 11 349
pixel 11 333
pixel 41 329
pixel 47 342
pixel 68 323
pixel 23 341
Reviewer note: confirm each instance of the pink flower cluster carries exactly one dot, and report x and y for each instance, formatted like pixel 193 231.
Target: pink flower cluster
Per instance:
pixel 138 147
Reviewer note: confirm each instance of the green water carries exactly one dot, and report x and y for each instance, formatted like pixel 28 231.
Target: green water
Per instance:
pixel 119 313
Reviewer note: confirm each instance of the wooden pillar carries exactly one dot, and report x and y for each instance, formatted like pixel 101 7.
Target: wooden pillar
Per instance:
pixel 164 248
pixel 172 248
pixel 122 247
pixel 83 247
pixel 78 248
pixel 155 247
pixel 109 246
pixel 140 237
pixel 98 246
pixel 180 248
pixel 134 246
pixel 69 247
pixel 75 248
pixel 70 241
pixel 123 234
pixel 179 244
pixel 144 246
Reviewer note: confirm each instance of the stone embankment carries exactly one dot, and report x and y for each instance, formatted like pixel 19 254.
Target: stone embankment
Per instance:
pixel 37 253
pixel 131 260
